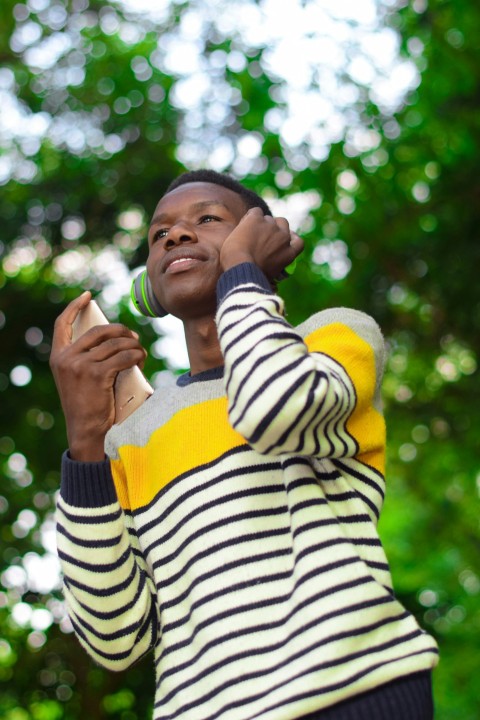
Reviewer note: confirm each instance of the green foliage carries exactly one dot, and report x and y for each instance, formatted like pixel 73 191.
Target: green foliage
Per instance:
pixel 394 231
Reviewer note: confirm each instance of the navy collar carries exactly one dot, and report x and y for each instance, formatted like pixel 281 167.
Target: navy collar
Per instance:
pixel 215 373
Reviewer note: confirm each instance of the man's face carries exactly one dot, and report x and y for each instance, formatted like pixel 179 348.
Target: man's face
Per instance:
pixel 189 227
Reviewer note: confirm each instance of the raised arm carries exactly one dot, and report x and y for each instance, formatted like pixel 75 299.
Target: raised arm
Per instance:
pixel 313 392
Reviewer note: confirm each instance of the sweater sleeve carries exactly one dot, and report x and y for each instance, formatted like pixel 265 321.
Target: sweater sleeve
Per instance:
pixel 317 396
pixel 109 594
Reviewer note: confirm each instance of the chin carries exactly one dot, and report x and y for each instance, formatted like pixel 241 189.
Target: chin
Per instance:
pixel 192 307
pixel 195 301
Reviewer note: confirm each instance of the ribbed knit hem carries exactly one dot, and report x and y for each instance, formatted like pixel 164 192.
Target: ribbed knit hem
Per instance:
pixel 242 274
pixel 87 484
pixel 409 698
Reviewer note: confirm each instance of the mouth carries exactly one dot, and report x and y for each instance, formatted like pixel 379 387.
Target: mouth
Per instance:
pixel 181 265
pixel 181 261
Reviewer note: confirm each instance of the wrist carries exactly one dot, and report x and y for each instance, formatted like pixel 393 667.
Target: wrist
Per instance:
pixel 243 274
pixel 87 455
pixel 236 258
pixel 87 450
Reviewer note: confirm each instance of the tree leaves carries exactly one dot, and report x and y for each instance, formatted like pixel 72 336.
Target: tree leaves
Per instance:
pixel 95 130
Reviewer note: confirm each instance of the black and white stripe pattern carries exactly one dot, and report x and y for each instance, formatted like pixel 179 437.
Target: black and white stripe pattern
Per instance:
pixel 258 577
pixel 300 400
pixel 107 589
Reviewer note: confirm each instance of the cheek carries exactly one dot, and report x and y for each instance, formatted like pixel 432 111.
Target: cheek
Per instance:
pixel 153 275
pixel 149 268
pixel 154 257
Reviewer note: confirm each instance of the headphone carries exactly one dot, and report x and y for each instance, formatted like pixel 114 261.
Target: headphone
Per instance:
pixel 146 303
pixel 143 297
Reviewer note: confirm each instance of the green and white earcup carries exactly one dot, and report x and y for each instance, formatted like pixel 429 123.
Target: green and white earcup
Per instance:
pixel 143 297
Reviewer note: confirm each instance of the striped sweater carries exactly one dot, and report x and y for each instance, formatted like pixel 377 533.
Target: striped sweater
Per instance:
pixel 233 527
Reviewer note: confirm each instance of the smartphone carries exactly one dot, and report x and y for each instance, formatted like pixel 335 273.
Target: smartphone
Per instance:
pixel 131 388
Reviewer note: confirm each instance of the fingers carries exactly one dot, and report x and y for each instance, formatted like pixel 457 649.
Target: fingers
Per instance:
pixel 118 346
pixel 296 243
pixel 103 334
pixel 282 224
pixel 101 374
pixel 104 351
pixel 279 226
pixel 251 216
pixel 254 212
pixel 63 331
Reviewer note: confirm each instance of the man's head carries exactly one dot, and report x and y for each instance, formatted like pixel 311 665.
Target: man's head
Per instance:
pixel 191 222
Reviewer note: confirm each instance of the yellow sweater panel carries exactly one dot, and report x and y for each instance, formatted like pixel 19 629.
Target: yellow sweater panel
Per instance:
pixel 205 430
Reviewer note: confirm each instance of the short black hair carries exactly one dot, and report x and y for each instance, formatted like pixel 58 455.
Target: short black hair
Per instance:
pixel 250 198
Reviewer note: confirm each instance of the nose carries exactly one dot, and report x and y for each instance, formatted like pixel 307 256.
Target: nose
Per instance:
pixel 181 232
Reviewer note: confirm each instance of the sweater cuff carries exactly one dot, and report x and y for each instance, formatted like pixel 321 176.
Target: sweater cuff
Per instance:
pixel 243 274
pixel 87 484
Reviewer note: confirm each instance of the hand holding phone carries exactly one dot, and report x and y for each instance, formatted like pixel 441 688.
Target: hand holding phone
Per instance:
pixel 88 357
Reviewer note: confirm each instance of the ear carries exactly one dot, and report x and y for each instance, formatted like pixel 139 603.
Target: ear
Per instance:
pixel 143 297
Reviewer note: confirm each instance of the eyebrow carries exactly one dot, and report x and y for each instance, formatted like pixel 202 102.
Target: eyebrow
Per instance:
pixel 201 205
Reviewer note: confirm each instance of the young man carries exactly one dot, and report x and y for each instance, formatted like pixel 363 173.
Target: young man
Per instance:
pixel 231 526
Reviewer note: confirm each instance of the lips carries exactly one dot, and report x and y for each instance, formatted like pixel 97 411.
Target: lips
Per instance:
pixel 179 260
pixel 180 265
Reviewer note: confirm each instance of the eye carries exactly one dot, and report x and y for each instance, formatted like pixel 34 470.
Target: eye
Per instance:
pixel 159 234
pixel 208 219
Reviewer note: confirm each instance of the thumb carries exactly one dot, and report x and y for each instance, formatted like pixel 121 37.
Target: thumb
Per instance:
pixel 62 335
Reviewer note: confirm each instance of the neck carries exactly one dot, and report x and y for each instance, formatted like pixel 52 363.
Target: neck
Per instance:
pixel 202 344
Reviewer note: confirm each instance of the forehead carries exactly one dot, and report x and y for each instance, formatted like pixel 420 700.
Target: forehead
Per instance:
pixel 185 197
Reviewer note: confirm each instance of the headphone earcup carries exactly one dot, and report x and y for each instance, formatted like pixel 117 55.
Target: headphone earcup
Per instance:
pixel 144 299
